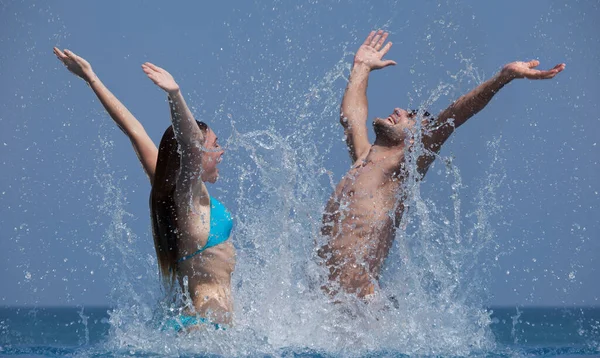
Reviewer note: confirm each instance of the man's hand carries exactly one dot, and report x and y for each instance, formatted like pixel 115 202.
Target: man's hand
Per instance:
pixel 161 78
pixel 370 53
pixel 527 70
pixel 77 65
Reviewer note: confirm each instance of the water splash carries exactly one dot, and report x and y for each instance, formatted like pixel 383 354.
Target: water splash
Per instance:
pixel 430 297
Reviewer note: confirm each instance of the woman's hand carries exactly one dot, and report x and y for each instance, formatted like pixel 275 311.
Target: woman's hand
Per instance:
pixel 161 78
pixel 77 65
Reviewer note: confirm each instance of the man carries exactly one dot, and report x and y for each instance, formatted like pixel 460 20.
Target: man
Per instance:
pixel 362 216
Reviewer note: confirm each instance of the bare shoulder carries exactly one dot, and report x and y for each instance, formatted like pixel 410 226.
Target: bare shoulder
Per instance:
pixel 193 207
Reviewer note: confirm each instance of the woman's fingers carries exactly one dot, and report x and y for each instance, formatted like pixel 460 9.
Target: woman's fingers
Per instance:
pixel 153 67
pixel 68 56
pixel 61 56
pixel 71 54
pixel 152 75
pixel 149 72
pixel 57 52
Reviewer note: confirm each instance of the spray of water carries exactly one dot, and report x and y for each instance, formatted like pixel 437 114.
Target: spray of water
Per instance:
pixel 430 300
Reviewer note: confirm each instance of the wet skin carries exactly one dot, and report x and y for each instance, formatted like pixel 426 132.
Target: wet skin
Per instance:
pixel 208 274
pixel 366 208
pixel 361 216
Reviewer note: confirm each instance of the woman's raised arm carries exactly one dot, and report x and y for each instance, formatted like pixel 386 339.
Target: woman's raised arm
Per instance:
pixel 143 145
pixel 190 138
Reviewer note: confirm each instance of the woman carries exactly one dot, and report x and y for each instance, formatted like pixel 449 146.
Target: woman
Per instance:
pixel 191 229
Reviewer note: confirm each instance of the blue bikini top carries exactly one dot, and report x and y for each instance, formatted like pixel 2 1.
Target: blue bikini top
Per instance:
pixel 221 224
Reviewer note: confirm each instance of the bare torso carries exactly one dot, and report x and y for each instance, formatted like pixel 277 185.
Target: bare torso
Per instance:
pixel 360 222
pixel 208 273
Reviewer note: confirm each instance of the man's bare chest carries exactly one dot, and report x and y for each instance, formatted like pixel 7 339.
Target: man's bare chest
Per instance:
pixel 367 183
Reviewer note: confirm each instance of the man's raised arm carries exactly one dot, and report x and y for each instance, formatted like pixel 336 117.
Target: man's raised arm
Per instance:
pixel 354 108
pixel 436 132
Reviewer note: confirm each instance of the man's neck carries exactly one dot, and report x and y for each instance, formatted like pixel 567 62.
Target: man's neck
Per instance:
pixel 388 156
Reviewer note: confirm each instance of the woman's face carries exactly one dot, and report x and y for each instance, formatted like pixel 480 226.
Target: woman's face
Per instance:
pixel 211 156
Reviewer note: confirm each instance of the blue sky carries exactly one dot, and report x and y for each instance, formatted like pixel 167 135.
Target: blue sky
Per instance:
pixel 69 175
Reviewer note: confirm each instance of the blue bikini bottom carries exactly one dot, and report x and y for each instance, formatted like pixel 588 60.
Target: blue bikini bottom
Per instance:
pixel 183 322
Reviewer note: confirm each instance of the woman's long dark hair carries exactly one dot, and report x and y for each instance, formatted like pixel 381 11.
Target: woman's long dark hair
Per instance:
pixel 163 212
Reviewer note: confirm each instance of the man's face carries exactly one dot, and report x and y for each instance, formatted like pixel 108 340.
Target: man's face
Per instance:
pixel 394 129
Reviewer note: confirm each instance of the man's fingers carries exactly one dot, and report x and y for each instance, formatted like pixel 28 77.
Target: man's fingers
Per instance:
pixel 551 73
pixel 387 63
pixel 554 71
pixel 540 75
pixel 559 67
pixel 533 63
pixel 375 38
pixel 381 41
pixel 369 38
pixel 385 49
